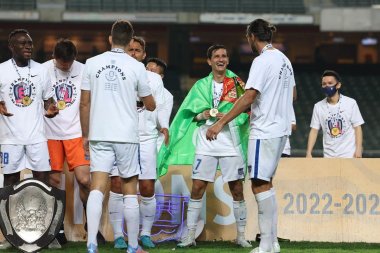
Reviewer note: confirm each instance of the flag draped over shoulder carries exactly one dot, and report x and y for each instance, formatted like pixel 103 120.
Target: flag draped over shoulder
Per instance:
pixel 183 130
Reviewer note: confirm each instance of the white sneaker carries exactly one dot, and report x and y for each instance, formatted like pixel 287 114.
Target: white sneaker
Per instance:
pixel 258 250
pixel 243 243
pixel 187 242
pixel 276 247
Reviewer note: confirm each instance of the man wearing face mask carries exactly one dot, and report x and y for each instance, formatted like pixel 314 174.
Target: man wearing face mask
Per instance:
pixel 340 119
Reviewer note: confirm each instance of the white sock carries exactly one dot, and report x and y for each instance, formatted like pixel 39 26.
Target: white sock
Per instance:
pixel 132 218
pixel 240 213
pixel 93 213
pixel 275 217
pixel 115 210
pixel 193 212
pixel 147 212
pixel 265 208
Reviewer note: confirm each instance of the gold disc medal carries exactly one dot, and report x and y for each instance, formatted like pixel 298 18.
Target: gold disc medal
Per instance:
pixel 61 105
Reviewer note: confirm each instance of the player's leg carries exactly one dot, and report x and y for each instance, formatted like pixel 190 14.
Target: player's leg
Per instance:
pixel 147 178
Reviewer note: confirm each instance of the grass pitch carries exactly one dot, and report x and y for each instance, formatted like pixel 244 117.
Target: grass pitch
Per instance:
pixel 227 247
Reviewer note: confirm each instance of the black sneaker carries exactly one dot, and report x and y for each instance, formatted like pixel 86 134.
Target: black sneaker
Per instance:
pixel 258 238
pixel 61 237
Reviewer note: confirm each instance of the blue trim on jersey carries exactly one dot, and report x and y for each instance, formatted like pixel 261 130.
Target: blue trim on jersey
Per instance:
pixel 257 153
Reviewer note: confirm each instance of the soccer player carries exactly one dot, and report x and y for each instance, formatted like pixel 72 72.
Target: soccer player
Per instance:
pixel 64 131
pixel 149 123
pixel 109 123
pixel 340 119
pixel 25 93
pixel 208 100
pixel 269 92
pixel 158 66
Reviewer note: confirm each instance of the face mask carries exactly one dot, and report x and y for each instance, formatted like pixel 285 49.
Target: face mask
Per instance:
pixel 329 91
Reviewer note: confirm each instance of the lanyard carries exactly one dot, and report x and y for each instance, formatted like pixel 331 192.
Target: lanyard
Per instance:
pixel 27 83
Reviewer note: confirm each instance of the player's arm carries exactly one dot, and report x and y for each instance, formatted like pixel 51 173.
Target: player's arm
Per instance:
pixel 311 141
pixel 4 110
pixel 50 108
pixel 358 141
pixel 242 104
pixel 85 105
pixel 149 103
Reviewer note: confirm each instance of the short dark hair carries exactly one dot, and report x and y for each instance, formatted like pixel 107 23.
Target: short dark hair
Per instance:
pixel 262 29
pixel 161 63
pixel 122 32
pixel 65 50
pixel 332 73
pixel 214 47
pixel 15 32
pixel 139 40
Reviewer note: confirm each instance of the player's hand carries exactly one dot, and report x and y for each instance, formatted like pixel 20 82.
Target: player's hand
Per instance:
pixel 52 111
pixel 213 131
pixel 219 115
pixel 165 132
pixel 3 109
pixel 86 146
pixel 358 153
pixel 206 114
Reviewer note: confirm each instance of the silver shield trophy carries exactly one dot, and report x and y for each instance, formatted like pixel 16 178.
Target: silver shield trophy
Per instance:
pixel 31 213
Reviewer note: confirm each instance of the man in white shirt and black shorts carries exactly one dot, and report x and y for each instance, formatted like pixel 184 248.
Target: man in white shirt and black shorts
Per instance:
pixel 269 92
pixel 109 122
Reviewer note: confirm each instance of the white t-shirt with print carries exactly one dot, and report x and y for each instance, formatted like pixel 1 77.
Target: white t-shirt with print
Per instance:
pixel 114 79
pixel 25 102
pixel 67 90
pixel 223 145
pixel 148 121
pixel 337 123
pixel 272 75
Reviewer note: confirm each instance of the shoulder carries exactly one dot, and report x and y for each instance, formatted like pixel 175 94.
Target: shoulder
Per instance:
pixel 348 100
pixel 37 66
pixel 48 63
pixel 320 103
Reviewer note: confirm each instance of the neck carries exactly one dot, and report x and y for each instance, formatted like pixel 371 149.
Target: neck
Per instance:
pixel 219 76
pixel 21 62
pixel 334 99
pixel 118 46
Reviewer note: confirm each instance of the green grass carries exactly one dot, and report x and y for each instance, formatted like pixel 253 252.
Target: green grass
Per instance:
pixel 221 247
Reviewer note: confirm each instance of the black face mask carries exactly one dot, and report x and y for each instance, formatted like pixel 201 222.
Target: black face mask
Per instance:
pixel 330 91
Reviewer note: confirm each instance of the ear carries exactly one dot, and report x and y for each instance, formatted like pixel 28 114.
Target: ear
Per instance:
pixel 209 61
pixel 339 85
pixel 144 56
pixel 110 39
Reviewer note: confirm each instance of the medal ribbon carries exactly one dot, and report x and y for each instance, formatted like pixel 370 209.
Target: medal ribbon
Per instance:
pixel 26 84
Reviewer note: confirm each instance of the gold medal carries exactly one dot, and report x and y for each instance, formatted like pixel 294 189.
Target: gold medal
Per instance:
pixel 26 101
pixel 214 112
pixel 61 105
pixel 335 131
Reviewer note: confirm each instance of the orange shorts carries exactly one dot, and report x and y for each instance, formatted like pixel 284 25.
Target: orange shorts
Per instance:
pixel 71 149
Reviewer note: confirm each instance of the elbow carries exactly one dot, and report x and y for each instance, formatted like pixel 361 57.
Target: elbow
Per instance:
pixel 151 107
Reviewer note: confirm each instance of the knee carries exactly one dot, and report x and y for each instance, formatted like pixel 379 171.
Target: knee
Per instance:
pixel 146 188
pixel 116 185
pixel 55 179
pixel 84 182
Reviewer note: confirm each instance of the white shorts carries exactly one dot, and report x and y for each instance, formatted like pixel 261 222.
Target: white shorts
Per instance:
pixel 105 154
pixel 148 159
pixel 232 167
pixel 15 158
pixel 263 157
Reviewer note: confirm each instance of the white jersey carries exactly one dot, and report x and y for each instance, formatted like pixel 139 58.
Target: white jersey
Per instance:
pixel 337 122
pixel 287 148
pixel 223 145
pixel 67 90
pixel 149 121
pixel 25 101
pixel 113 79
pixel 272 75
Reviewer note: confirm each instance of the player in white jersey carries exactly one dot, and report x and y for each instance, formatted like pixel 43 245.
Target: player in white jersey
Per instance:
pixel 109 122
pixel 287 149
pixel 158 66
pixel 148 134
pixel 225 153
pixel 64 132
pixel 340 120
pixel 269 92
pixel 25 92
